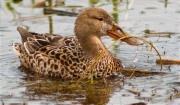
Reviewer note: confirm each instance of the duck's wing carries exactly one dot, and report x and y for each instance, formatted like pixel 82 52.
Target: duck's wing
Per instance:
pixel 37 42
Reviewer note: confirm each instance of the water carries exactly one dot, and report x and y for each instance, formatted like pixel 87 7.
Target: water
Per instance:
pixel 135 17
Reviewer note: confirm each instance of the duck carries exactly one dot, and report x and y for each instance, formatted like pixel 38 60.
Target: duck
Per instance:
pixel 68 57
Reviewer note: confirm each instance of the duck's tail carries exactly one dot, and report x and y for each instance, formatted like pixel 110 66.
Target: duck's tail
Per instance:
pixel 19 48
pixel 24 34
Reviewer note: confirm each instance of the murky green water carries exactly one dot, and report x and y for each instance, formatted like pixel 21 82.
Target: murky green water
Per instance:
pixel 134 16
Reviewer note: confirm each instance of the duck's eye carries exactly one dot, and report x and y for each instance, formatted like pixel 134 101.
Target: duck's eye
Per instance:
pixel 100 19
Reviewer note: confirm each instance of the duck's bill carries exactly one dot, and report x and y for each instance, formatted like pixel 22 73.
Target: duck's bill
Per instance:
pixel 116 32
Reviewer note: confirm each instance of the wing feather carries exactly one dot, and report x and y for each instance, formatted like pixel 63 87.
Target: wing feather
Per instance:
pixel 47 43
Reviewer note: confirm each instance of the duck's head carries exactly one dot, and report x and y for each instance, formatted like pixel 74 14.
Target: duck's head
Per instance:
pixel 97 22
pixel 92 23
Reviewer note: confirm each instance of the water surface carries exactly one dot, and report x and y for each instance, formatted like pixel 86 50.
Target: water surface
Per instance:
pixel 134 16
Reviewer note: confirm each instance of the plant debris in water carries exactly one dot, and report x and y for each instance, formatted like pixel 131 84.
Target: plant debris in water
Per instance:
pixel 150 33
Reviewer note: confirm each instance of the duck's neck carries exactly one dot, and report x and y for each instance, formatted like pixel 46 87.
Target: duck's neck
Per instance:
pixel 92 45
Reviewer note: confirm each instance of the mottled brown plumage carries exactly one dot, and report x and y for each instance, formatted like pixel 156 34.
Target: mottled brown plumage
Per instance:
pixel 68 57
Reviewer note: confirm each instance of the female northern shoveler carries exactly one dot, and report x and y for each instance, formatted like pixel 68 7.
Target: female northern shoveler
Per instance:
pixel 68 57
